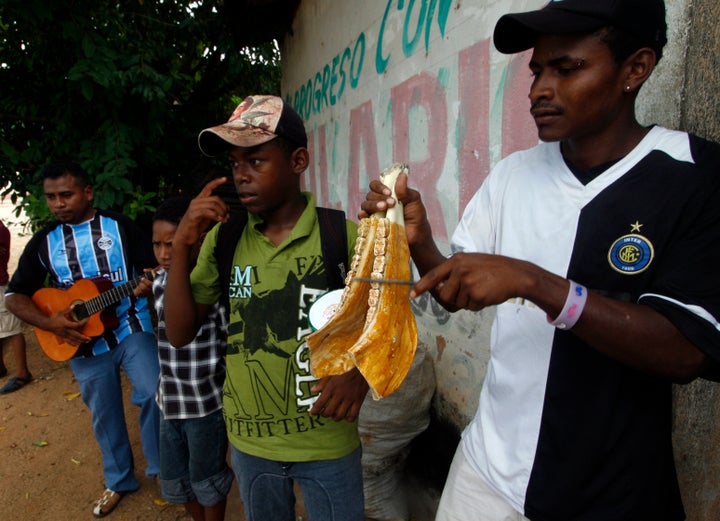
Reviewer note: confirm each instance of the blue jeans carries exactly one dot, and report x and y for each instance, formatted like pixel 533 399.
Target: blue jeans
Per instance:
pixel 332 489
pixel 101 390
pixel 193 453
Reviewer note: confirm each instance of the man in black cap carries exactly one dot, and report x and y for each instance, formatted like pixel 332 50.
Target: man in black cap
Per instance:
pixel 598 247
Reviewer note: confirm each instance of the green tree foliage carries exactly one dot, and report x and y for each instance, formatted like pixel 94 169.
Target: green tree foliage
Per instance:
pixel 122 87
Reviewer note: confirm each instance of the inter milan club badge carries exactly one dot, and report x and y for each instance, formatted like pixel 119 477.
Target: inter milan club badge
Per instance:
pixel 632 253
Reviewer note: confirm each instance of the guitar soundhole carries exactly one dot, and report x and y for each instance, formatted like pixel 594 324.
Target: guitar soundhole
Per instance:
pixel 78 312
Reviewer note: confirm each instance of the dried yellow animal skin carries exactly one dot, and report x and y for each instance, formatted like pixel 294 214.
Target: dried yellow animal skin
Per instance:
pixel 329 345
pixel 373 326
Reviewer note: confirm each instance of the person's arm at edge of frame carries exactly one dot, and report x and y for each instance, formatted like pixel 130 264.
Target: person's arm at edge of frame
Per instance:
pixel 633 334
pixel 25 309
pixel 423 249
pixel 639 336
pixel 27 279
pixel 184 316
pixel 636 335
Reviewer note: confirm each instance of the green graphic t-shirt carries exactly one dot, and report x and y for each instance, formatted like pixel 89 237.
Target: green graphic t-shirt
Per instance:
pixel 267 387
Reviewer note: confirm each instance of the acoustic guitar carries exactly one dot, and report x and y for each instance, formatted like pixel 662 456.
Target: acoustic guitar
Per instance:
pixel 91 301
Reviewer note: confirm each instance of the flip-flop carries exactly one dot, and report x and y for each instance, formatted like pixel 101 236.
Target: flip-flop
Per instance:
pixel 15 384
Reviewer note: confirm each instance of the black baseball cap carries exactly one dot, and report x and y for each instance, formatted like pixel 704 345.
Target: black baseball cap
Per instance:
pixel 641 19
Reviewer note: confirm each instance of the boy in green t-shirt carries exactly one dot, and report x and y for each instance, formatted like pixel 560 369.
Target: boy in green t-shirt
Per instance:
pixel 284 426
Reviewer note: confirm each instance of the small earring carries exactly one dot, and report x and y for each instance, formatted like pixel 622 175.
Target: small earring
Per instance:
pixel 627 88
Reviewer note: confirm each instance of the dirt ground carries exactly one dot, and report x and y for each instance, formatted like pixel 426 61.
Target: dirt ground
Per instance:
pixel 51 467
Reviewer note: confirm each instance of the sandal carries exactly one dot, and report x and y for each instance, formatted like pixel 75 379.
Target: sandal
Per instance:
pixel 15 384
pixel 107 502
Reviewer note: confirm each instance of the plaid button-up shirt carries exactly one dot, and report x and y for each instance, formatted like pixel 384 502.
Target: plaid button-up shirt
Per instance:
pixel 191 376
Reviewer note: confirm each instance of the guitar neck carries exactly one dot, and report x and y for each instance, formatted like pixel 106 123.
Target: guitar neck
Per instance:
pixel 110 297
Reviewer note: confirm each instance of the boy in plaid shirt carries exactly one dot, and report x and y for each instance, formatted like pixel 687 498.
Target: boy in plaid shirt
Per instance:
pixel 193 442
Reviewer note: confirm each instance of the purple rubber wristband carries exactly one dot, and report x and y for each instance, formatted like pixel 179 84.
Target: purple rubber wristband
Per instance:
pixel 573 308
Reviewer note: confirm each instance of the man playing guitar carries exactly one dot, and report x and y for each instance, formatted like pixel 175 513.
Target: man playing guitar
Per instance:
pixel 87 243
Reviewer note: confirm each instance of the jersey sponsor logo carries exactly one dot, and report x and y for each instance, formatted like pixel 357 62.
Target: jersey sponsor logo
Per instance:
pixel 115 276
pixel 632 253
pixel 105 243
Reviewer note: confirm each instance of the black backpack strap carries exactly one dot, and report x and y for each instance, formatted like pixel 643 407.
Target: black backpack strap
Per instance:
pixel 227 239
pixel 333 239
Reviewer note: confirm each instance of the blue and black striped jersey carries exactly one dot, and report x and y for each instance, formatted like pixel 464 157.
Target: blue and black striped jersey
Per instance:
pixel 109 245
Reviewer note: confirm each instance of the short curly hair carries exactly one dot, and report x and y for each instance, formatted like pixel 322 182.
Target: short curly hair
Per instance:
pixel 172 209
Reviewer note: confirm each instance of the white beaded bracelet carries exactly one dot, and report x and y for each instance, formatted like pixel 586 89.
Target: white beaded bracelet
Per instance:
pixel 573 308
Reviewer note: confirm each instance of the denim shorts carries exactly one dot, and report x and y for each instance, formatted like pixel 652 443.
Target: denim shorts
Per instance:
pixel 193 460
pixel 332 489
